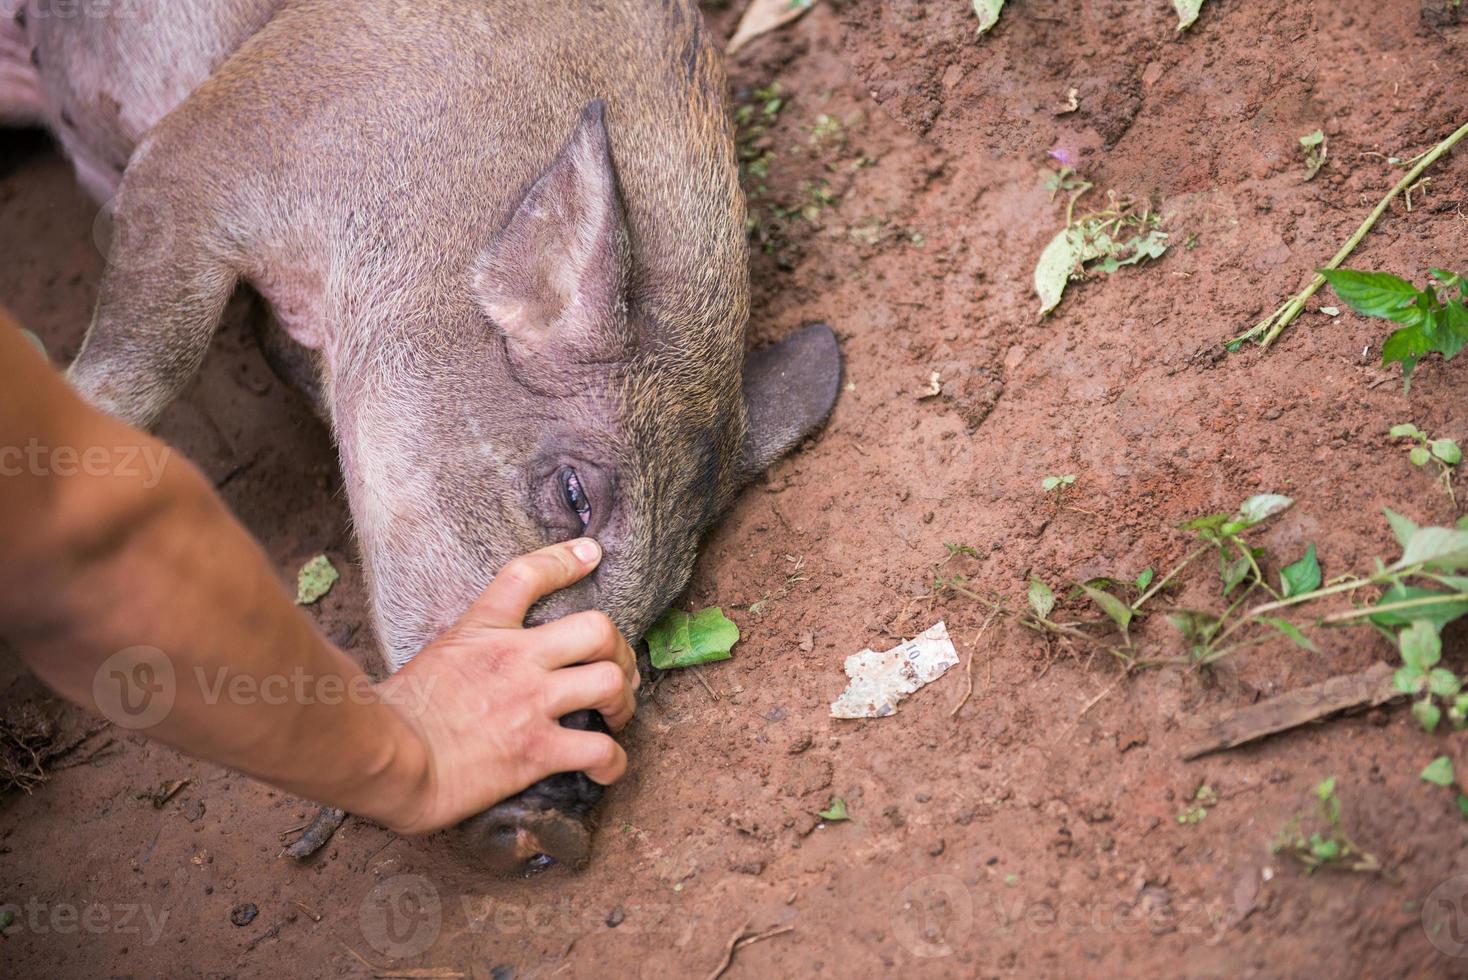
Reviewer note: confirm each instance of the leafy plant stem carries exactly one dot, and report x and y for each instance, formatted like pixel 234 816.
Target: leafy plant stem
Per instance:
pixel 1273 325
pixel 1159 586
pixel 1386 607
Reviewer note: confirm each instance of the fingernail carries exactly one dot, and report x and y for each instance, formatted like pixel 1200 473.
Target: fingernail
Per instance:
pixel 587 550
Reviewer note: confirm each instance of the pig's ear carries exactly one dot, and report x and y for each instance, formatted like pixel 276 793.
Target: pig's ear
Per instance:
pixel 555 277
pixel 789 389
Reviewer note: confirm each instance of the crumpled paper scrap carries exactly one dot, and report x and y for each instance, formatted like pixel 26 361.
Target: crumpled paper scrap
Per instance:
pixel 880 679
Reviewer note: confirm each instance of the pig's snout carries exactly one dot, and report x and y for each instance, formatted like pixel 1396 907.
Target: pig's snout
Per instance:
pixel 545 825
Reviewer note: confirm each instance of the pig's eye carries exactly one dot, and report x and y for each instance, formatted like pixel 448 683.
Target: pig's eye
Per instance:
pixel 575 496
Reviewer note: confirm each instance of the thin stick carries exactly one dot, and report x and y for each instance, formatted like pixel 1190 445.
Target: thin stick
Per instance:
pixel 699 674
pixel 969 670
pixel 741 939
pixel 1273 325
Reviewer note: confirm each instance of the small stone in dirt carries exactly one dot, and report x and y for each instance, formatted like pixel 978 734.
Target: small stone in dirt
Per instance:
pixel 922 797
pixel 193 809
pixel 615 917
pixel 894 816
pixel 807 642
pixel 799 744
pixel 937 847
pixel 502 973
pixel 243 915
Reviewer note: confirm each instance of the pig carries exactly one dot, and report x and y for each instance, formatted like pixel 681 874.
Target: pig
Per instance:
pixel 502 242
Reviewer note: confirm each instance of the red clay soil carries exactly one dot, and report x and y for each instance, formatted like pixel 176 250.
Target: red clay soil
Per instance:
pixel 1026 835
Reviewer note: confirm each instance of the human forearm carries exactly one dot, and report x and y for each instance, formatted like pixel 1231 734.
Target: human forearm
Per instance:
pixel 116 557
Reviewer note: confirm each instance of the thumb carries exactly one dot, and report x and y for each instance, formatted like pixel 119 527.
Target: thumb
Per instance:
pixel 526 579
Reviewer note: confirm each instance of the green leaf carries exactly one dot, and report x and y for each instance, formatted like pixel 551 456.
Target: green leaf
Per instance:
pixel 1405 431
pixel 1438 548
pixel 1120 612
pixel 1443 682
pixel 1145 579
pixel 1263 506
pixel 1324 849
pixel 1197 627
pixel 1421 646
pixel 1402 527
pixel 1427 715
pixel 836 811
pixel 1312 139
pixel 1419 456
pixel 1439 771
pixel 681 640
pixel 1187 12
pixel 1290 630
pixel 1447 450
pixel 1451 328
pixel 1055 482
pixel 1378 294
pixel 1301 576
pixel 1325 789
pixel 1235 572
pixel 1463 806
pixel 988 11
pixel 1042 599
pixel 1409 680
pixel 315 579
pixel 1439 614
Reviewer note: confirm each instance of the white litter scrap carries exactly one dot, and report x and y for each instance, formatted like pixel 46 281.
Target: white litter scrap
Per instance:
pixel 881 679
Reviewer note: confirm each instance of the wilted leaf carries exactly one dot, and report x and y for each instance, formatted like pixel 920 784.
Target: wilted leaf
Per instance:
pixel 763 16
pixel 1060 258
pixel 988 11
pixel 1187 12
pixel 681 640
pixel 315 579
pixel 1439 771
pixel 1290 630
pixel 1402 527
pixel 1439 548
pixel 1120 612
pixel 1315 152
pixel 1302 576
pixel 1042 599
pixel 1263 506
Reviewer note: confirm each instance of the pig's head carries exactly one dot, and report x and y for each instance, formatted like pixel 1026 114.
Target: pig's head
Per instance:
pixel 568 397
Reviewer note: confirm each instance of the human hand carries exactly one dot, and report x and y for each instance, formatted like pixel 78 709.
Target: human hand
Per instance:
pixel 483 700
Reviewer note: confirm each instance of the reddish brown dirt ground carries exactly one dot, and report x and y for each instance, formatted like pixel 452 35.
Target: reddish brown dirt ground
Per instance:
pixel 1025 835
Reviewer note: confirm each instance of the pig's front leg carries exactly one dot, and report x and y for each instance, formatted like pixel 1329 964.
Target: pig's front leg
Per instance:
pixel 163 291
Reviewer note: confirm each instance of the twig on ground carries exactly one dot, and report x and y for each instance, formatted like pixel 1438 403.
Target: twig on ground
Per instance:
pixel 742 938
pixel 1273 325
pixel 1366 689
pixel 969 670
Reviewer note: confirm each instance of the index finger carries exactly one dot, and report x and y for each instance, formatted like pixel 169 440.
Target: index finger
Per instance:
pixel 526 579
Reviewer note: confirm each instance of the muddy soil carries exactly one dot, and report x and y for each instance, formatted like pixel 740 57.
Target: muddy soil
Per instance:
pixel 1036 831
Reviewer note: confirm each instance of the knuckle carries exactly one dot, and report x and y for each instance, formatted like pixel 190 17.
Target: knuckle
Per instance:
pixel 608 680
pixel 603 753
pixel 600 628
